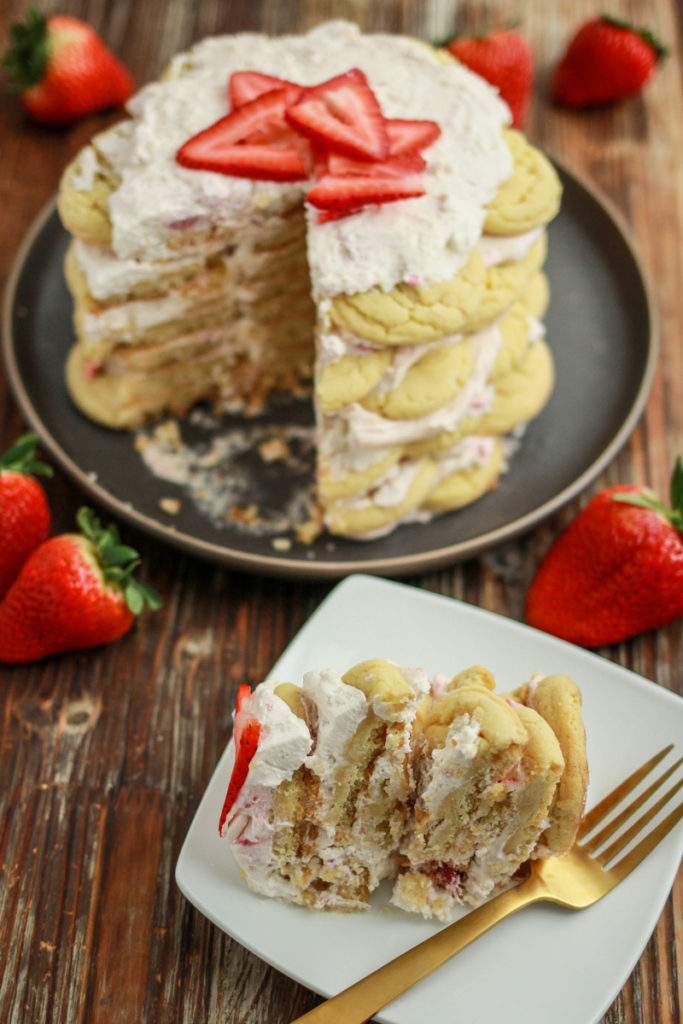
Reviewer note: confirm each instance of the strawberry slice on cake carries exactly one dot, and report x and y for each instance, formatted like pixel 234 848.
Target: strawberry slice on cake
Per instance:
pixel 334 132
pixel 245 86
pixel 343 114
pixel 252 141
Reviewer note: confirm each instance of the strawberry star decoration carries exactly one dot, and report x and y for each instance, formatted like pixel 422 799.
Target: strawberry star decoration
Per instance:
pixel 334 133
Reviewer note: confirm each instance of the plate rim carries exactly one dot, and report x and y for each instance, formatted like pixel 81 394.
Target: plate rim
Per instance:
pixel 282 565
pixel 363 580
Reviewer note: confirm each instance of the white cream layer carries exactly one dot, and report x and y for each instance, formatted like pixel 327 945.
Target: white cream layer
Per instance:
pixel 428 238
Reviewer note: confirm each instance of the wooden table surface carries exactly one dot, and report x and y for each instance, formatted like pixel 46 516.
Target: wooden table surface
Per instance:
pixel 104 755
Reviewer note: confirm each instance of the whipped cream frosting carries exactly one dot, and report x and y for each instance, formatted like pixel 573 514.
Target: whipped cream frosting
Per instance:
pixel 284 742
pixel 108 275
pixel 426 238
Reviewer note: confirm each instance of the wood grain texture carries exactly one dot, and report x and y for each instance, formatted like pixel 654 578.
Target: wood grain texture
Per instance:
pixel 104 755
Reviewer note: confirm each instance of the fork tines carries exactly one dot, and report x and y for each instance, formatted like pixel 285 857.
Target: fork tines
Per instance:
pixel 609 803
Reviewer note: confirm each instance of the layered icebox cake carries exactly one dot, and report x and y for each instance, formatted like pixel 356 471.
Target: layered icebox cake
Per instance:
pixel 333 210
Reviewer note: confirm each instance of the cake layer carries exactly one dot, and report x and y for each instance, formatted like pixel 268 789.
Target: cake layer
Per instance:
pixel 325 802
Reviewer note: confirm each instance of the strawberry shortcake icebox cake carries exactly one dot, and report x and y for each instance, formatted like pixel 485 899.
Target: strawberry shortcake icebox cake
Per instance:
pixel 338 211
pixel 440 785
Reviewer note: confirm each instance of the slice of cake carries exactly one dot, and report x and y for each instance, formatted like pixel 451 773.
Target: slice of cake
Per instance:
pixel 324 801
pixel 334 208
pixel 445 788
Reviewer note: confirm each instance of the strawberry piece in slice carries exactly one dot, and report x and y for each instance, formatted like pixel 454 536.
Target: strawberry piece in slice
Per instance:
pixel 411 136
pixel 223 146
pixel 334 192
pixel 245 86
pixel 243 694
pixel 245 748
pixel 343 114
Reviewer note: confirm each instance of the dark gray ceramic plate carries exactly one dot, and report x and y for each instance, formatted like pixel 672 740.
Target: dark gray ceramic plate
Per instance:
pixel 600 328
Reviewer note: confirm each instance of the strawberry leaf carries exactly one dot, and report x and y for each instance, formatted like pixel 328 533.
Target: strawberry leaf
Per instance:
pixel 677 487
pixel 120 554
pixel 149 596
pixel 21 457
pixel 645 499
pixel 134 598
pixel 26 60
pixel 645 34
pixel 118 562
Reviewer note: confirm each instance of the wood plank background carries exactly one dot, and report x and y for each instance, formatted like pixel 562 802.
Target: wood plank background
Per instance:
pixel 105 755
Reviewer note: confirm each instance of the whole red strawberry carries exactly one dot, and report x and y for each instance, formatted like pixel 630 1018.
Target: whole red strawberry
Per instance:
pixel 504 58
pixel 605 61
pixel 616 571
pixel 75 590
pixel 63 69
pixel 25 518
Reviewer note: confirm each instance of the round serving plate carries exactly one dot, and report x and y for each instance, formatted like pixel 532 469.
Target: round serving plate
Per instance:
pixel 600 327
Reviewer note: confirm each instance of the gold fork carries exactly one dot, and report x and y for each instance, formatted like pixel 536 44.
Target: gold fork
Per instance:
pixel 576 880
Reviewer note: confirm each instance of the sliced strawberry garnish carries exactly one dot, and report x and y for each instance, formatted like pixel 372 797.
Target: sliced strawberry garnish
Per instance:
pixel 245 86
pixel 223 146
pixel 394 167
pixel 343 114
pixel 323 216
pixel 339 193
pixel 243 695
pixel 411 136
pixel 245 748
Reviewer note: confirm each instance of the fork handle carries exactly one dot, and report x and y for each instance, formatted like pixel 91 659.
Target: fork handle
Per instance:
pixel 360 1001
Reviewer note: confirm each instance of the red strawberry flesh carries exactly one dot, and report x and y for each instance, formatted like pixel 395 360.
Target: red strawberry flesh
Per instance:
pixel 343 114
pixel 64 69
pixel 73 591
pixel 243 694
pixel 245 748
pixel 411 136
pixel 245 86
pixel 335 131
pixel 615 572
pixel 504 58
pixel 393 167
pixel 605 61
pixel 335 192
pixel 25 517
pixel 223 146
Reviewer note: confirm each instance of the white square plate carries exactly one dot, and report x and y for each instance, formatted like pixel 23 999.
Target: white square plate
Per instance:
pixel 544 956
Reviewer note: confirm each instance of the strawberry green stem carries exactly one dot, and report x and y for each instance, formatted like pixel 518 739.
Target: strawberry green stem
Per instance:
pixel 29 52
pixel 117 561
pixel 645 34
pixel 673 515
pixel 21 457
